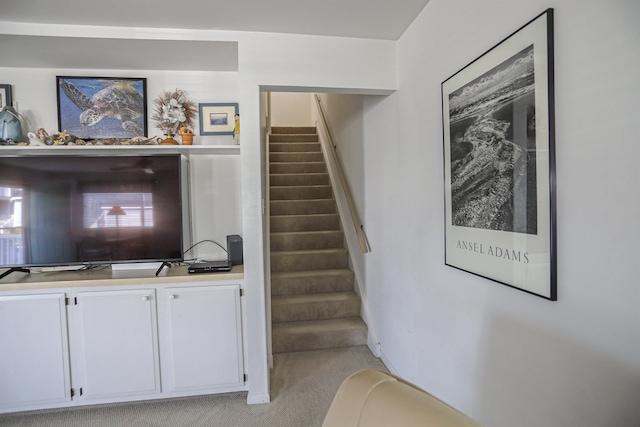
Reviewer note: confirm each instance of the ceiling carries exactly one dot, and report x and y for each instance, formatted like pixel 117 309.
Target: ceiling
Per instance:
pixel 75 49
pixel 375 19
pixel 116 54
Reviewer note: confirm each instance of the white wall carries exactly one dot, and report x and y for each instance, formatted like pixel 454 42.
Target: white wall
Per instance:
pixel 502 356
pixel 291 109
pixel 216 204
pixel 278 62
pixel 345 120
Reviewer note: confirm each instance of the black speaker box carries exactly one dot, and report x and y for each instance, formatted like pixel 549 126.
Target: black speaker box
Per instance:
pixel 234 249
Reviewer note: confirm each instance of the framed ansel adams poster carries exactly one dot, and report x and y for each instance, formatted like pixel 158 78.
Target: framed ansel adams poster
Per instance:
pixel 499 162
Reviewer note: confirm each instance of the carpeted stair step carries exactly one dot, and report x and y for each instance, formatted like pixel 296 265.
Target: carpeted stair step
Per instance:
pixel 318 334
pixel 313 305
pixel 288 179
pixel 315 259
pixel 297 167
pixel 300 192
pixel 302 207
pixel 295 147
pixel 311 281
pixel 303 240
pixel 292 138
pixel 327 305
pixel 279 130
pixel 314 156
pixel 291 223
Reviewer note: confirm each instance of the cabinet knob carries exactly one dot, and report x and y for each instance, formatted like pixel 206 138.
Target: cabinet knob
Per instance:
pixel 146 298
pixel 173 296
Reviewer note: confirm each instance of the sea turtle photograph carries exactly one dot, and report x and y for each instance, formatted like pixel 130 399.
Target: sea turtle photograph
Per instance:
pixel 105 107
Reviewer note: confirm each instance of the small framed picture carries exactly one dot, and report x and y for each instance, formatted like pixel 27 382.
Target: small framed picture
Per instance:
pixel 217 119
pixel 5 95
pixel 102 107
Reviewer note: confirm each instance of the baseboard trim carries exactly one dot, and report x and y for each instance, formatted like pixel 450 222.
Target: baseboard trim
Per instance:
pixel 372 343
pixel 258 399
pixel 387 362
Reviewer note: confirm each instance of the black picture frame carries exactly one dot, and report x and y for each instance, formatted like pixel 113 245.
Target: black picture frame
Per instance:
pixel 5 96
pixel 499 162
pixel 102 107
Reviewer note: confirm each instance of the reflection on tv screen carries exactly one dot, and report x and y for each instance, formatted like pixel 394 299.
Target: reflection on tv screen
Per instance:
pixel 63 210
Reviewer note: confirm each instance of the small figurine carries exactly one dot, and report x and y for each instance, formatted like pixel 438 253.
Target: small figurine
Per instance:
pixel 236 130
pixel 35 139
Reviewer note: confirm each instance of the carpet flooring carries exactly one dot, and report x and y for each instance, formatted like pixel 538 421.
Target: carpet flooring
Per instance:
pixel 302 387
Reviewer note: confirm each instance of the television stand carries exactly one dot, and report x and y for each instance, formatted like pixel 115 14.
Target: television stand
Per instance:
pixel 11 270
pixel 119 333
pixel 164 264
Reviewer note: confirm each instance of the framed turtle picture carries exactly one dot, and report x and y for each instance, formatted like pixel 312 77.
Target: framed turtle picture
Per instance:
pixel 102 107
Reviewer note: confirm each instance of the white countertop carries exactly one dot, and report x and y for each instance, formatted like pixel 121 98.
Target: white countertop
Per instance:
pixel 106 277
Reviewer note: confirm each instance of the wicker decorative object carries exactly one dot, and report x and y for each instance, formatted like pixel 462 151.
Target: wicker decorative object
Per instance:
pixel 173 110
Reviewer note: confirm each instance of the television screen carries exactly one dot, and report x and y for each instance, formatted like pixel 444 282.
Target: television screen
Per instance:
pixel 90 209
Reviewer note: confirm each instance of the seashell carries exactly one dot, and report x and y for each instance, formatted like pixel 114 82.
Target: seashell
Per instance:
pixel 34 139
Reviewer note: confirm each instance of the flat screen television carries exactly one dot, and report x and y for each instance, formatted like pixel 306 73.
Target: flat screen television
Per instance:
pixel 90 209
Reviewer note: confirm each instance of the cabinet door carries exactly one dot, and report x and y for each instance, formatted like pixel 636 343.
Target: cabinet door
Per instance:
pixel 34 350
pixel 205 338
pixel 117 344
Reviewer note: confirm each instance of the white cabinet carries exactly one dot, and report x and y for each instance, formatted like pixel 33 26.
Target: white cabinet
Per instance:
pixel 116 344
pixel 203 337
pixel 34 351
pixel 81 345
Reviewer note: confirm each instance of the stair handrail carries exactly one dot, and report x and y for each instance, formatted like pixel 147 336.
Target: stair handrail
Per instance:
pixel 331 146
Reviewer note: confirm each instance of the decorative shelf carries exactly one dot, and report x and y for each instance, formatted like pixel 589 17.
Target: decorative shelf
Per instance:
pixel 110 149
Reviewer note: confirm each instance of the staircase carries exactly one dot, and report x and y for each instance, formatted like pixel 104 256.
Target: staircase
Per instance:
pixel 313 305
